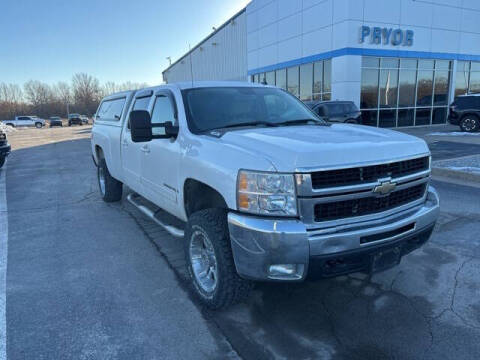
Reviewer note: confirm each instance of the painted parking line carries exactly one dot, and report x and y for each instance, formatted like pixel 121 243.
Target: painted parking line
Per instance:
pixel 3 262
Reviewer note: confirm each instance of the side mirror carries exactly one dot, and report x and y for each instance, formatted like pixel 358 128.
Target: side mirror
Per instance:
pixel 171 130
pixel 140 126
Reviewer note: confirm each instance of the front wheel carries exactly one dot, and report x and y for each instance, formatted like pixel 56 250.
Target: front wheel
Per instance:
pixel 110 188
pixel 470 123
pixel 2 161
pixel 38 125
pixel 210 261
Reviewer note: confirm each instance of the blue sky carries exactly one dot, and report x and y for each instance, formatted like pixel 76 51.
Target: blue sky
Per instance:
pixel 113 40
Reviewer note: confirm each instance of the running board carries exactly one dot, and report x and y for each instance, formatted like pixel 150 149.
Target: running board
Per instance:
pixel 172 230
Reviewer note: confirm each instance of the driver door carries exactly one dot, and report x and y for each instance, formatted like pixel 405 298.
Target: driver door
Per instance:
pixel 161 160
pixel 132 153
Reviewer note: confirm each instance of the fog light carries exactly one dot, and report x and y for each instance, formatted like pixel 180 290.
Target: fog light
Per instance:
pixel 286 271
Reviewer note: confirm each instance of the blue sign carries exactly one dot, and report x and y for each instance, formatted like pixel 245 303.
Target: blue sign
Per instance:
pixel 386 36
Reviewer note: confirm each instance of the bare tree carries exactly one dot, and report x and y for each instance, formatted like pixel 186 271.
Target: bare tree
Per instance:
pixel 64 95
pixel 86 92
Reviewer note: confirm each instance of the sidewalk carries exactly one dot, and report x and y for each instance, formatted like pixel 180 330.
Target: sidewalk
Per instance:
pixel 455 154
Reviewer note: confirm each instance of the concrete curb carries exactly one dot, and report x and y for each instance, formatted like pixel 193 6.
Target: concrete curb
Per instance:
pixel 454 174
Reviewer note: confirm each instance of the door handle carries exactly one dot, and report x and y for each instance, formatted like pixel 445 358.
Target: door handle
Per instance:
pixel 145 149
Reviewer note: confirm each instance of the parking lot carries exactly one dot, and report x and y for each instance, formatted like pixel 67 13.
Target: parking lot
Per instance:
pixel 91 280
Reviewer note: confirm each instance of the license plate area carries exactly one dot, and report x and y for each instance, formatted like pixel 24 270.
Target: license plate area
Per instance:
pixel 386 259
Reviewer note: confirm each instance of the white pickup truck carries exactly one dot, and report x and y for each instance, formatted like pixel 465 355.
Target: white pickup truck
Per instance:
pixel 25 121
pixel 261 188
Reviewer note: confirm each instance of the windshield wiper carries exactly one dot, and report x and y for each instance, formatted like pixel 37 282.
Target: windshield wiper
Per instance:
pixel 252 123
pixel 302 121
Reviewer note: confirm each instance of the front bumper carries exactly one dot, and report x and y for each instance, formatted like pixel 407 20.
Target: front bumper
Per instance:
pixel 259 242
pixel 5 150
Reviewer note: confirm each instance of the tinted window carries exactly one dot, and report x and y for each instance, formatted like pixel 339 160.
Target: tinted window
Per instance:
pixel 349 107
pixel 141 103
pixel 111 109
pixel 23 118
pixel 335 109
pixel 162 112
pixel 214 108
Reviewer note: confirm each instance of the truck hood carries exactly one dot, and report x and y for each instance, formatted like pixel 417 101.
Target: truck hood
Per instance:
pixel 298 148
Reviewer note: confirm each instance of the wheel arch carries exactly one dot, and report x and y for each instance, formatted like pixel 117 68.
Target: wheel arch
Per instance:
pixel 200 196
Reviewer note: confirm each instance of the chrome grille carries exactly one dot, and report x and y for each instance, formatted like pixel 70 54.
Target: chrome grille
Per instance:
pixel 367 205
pixel 366 174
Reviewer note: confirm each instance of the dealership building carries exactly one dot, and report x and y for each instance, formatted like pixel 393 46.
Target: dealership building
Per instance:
pixel 401 61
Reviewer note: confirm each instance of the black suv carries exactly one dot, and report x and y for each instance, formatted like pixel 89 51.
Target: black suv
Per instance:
pixel 337 111
pixel 465 112
pixel 74 119
pixel 4 147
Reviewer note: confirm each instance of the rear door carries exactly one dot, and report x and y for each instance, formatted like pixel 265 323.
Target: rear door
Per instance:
pixel 160 163
pixel 132 153
pixel 335 112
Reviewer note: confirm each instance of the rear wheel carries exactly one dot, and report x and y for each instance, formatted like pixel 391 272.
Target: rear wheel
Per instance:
pixel 470 123
pixel 38 125
pixel 110 188
pixel 210 262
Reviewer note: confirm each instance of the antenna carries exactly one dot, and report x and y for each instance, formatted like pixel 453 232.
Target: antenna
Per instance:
pixel 191 64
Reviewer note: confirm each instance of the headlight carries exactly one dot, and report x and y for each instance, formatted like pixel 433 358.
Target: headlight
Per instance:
pixel 266 193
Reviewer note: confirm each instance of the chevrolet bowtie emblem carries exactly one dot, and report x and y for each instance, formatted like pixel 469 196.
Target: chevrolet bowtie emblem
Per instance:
pixel 385 188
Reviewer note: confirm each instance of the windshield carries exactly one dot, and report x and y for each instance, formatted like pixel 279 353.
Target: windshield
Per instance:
pixel 224 107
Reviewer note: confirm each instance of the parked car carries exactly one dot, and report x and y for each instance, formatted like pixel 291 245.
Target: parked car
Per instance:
pixel 4 147
pixel 55 121
pixel 74 119
pixel 261 188
pixel 465 112
pixel 25 121
pixel 337 111
pixel 84 119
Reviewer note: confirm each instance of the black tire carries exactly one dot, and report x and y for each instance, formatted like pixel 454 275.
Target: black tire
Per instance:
pixel 69 123
pixel 2 161
pixel 113 188
pixel 230 288
pixel 470 123
pixel 38 125
pixel 351 121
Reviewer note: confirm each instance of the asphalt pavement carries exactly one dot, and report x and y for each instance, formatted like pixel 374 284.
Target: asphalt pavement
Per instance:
pixel 89 280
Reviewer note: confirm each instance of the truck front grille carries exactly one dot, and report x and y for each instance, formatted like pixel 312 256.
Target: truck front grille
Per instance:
pixel 366 174
pixel 368 205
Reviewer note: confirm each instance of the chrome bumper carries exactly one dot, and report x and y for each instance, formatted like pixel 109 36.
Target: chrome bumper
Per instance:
pixel 258 243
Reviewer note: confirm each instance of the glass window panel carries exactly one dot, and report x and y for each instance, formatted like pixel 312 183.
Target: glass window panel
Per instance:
pixel 439 116
pixel 422 116
pixel 425 64
pixel 255 78
pixel 292 80
pixel 408 80
pixel 141 103
pixel 327 96
pixel 463 66
pixel 441 88
pixel 442 64
pixel 387 118
pixel 475 66
pixel 318 77
pixel 474 83
pixel 368 61
pixel 424 88
pixel 408 63
pixel 369 117
pixel 263 78
pixel 281 79
pixel 388 88
pixel 327 76
pixel 369 91
pixel 306 82
pixel 461 82
pixel 270 77
pixel 317 97
pixel 406 117
pixel 388 63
